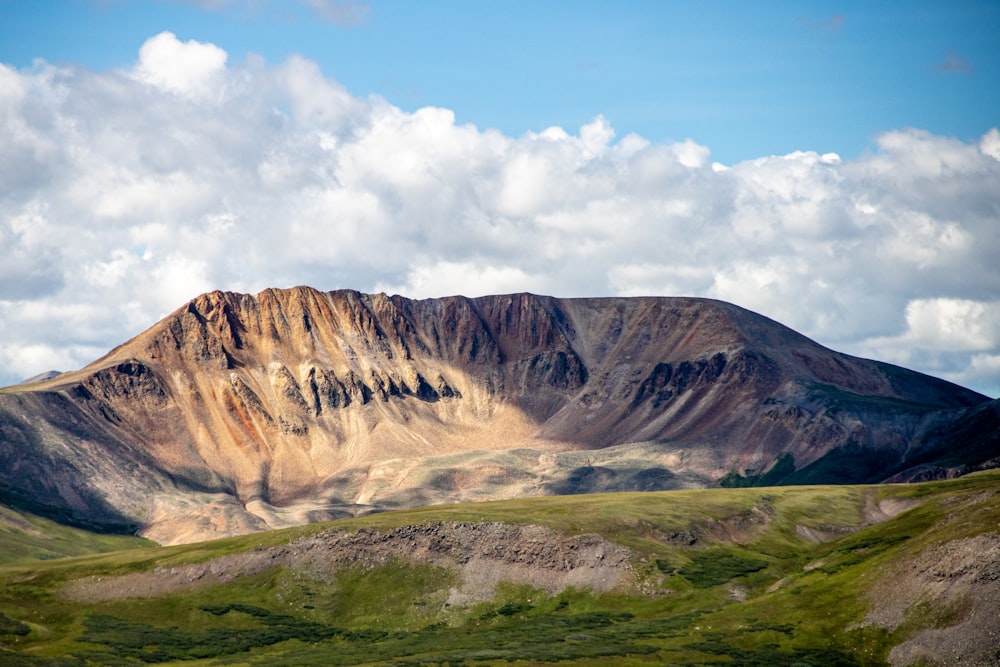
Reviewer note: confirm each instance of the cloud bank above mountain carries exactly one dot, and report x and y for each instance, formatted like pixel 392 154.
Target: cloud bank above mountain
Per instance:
pixel 125 193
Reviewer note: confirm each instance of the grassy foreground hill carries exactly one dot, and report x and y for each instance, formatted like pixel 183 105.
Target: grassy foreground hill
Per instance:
pixel 846 575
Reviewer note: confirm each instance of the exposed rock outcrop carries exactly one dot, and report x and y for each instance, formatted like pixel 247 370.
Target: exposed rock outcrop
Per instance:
pixel 483 554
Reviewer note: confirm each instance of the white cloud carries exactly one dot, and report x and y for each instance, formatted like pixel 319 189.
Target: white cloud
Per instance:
pixel 691 154
pixel 990 144
pixel 952 325
pixel 957 339
pixel 188 173
pixel 596 136
pixel 22 359
pixel 446 278
pixel 187 68
pixel 983 371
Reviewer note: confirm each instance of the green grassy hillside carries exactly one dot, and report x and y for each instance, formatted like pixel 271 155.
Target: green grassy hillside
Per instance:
pixel 761 576
pixel 29 537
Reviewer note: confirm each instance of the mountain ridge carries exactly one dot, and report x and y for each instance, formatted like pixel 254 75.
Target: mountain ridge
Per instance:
pixel 239 412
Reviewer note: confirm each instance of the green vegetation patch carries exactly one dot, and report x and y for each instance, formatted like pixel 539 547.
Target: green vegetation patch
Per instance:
pixel 768 655
pixel 396 594
pixel 539 635
pixel 856 550
pixel 717 566
pixel 10 626
pixel 150 644
pixel 547 637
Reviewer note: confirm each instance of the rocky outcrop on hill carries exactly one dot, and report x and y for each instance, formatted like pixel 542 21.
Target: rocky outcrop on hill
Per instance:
pixel 239 412
pixel 482 554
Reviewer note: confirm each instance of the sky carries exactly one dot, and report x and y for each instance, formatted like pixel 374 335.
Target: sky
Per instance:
pixel 833 166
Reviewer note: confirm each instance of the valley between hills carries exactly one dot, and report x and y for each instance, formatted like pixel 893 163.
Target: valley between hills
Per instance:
pixel 301 477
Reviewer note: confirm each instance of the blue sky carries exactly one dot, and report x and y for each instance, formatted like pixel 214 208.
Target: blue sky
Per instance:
pixel 745 79
pixel 833 166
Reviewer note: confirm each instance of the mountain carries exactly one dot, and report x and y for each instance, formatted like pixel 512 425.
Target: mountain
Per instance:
pixel 238 413
pixel 41 377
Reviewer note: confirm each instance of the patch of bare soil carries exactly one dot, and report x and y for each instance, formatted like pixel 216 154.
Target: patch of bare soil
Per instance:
pixel 826 532
pixel 886 509
pixel 740 528
pixel 485 554
pixel 874 513
pixel 957 586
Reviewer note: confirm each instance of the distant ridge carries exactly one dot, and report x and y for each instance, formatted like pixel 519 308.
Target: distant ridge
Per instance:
pixel 42 377
pixel 242 412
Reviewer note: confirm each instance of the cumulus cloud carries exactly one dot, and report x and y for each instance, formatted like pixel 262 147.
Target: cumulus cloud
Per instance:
pixel 473 277
pixel 942 335
pixel 990 144
pixel 953 324
pixel 189 68
pixel 125 193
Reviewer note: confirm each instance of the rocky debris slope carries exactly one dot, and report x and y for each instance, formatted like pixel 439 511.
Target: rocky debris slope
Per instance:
pixel 484 554
pixel 947 595
pixel 238 413
pixel 959 581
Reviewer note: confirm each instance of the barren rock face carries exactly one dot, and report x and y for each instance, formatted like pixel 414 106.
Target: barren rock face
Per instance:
pixel 242 412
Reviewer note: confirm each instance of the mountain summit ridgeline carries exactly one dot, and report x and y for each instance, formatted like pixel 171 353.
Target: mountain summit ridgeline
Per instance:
pixel 238 413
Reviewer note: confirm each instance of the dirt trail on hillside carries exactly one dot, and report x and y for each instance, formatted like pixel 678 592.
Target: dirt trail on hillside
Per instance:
pixel 484 554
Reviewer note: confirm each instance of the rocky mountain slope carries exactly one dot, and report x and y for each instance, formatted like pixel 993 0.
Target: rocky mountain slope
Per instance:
pixel 238 413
